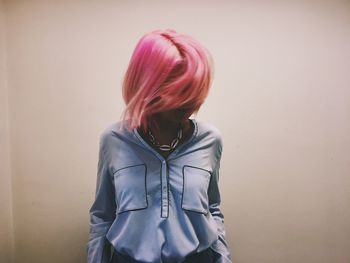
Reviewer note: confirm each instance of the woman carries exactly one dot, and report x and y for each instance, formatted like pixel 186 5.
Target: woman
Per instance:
pixel 157 195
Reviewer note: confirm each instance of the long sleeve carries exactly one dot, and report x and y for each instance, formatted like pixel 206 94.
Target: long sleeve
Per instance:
pixel 102 211
pixel 221 245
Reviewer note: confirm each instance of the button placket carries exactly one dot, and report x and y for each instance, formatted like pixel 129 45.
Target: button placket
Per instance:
pixel 164 190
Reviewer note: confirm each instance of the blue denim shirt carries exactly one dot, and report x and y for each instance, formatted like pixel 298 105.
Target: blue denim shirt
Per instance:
pixel 156 209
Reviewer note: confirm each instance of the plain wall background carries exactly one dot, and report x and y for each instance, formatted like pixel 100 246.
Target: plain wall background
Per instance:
pixel 6 219
pixel 281 98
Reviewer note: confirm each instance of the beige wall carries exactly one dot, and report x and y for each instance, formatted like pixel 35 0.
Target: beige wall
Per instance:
pixel 6 215
pixel 281 98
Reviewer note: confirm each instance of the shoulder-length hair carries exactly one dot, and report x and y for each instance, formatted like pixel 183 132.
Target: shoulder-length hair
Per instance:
pixel 167 70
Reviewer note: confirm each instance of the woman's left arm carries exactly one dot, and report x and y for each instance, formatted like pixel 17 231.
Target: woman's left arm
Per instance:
pixel 221 245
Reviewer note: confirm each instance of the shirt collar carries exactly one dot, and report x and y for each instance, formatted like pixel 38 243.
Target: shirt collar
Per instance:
pixel 134 137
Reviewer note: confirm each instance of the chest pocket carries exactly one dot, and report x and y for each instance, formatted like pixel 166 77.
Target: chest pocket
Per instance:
pixel 130 188
pixel 195 189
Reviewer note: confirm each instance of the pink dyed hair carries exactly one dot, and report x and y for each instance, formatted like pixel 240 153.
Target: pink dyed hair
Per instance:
pixel 167 70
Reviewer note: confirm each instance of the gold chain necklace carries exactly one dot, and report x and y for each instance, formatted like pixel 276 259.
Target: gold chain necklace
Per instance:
pixel 166 147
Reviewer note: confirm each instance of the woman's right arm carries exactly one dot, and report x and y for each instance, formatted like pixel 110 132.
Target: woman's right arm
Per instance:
pixel 102 211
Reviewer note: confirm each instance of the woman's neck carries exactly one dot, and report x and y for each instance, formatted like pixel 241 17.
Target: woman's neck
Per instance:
pixel 168 130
